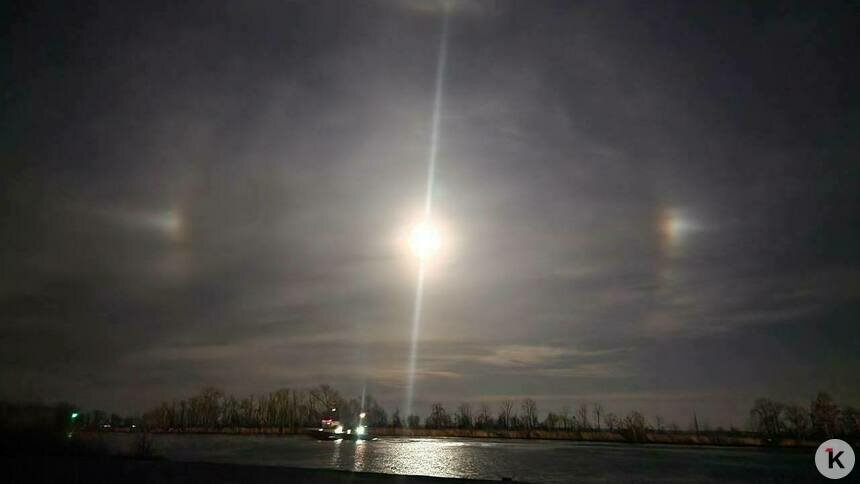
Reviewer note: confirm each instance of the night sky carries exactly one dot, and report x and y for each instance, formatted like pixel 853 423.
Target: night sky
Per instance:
pixel 651 205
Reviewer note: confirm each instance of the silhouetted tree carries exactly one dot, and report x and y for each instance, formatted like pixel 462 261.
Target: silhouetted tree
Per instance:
pixel 565 418
pixel 246 412
pixel 611 421
pixel 530 414
pixel 516 422
pixel 413 421
pixel 849 421
pixel 552 421
pixel 484 420
pixel 796 420
pixel 231 412
pixel 376 415
pixel 464 416
pixel 349 410
pixel 824 415
pixel 634 427
pixel 299 410
pixel 506 409
pixel 582 416
pixel 184 417
pixel 438 418
pixel 321 400
pixel 597 410
pixel 765 417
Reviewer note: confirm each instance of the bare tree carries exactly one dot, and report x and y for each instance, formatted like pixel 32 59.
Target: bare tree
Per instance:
pixel 611 421
pixel 530 413
pixel 483 419
pixel 765 417
pixel 464 416
pixel 183 415
pixel 552 421
pixel 825 415
pixel 375 413
pixel 797 420
pixel 231 412
pixel 658 423
pixel 322 400
pixel 582 416
pixel 208 407
pixel 564 415
pixel 597 409
pixel 413 421
pixel 849 421
pixel 438 418
pixel 634 427
pixel 299 410
pixel 506 409
pixel 279 409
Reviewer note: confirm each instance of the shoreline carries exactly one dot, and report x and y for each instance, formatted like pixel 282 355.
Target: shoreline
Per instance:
pixel 664 438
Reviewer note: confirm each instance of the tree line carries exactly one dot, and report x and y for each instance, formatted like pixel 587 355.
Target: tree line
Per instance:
pixel 823 418
pixel 294 409
pixel 285 410
pixel 290 410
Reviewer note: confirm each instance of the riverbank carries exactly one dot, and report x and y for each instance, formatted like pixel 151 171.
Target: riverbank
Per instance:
pixel 677 438
pixel 45 469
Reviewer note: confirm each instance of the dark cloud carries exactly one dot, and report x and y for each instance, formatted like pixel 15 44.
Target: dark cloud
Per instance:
pixel 648 205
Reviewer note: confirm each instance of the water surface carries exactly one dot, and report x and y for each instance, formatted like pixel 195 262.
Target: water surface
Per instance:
pixel 531 461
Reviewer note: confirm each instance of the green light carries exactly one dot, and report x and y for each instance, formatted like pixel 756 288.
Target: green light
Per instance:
pixel 74 415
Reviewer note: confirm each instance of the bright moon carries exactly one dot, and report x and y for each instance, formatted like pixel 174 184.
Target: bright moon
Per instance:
pixel 424 239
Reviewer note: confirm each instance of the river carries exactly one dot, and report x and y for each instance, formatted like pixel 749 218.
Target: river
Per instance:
pixel 530 461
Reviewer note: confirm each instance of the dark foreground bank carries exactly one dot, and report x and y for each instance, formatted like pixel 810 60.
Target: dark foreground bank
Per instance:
pixel 45 469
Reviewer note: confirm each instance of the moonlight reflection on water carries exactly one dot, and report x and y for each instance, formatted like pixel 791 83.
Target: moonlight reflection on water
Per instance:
pixel 430 458
pixel 426 457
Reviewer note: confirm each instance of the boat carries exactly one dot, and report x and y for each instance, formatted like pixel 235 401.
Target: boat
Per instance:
pixel 332 429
